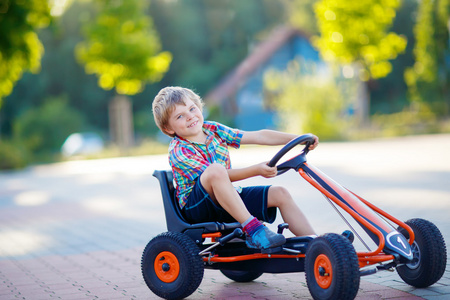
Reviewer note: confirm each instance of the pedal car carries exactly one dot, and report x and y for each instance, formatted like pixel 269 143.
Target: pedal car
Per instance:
pixel 174 261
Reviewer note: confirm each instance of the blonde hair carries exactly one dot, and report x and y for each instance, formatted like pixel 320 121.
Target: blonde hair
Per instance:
pixel 164 104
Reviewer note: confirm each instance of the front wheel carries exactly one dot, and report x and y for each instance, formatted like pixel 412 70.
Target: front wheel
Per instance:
pixel 332 268
pixel 171 266
pixel 429 254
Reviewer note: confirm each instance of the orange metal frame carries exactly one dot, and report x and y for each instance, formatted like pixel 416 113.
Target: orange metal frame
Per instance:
pixel 250 257
pixel 365 258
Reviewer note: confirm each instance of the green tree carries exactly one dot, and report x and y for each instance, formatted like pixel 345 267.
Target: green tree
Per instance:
pixel 122 48
pixel 20 47
pixel 206 38
pixel 209 38
pixel 429 78
pixel 60 74
pixel 357 31
pixel 389 94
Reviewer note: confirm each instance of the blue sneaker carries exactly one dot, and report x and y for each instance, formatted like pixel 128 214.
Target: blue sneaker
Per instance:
pixel 264 238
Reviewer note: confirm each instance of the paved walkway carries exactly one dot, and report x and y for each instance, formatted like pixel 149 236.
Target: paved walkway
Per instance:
pixel 76 230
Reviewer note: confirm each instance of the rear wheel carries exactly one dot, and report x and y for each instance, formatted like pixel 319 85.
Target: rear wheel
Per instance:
pixel 171 266
pixel 241 276
pixel 429 254
pixel 332 268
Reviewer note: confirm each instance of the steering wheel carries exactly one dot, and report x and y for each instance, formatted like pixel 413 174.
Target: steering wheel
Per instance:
pixel 295 162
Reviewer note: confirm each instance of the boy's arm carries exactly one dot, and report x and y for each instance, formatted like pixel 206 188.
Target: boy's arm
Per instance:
pixel 261 169
pixel 263 137
pixel 271 138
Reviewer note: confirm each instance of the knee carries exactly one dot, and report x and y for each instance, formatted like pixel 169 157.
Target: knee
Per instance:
pixel 279 196
pixel 216 171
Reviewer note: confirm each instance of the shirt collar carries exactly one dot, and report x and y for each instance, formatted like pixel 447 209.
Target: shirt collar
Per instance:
pixel 206 130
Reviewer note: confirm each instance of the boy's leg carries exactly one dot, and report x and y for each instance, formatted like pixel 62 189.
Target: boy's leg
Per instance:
pixel 216 182
pixel 291 213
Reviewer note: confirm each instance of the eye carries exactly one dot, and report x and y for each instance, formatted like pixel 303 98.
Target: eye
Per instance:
pixel 179 117
pixel 193 108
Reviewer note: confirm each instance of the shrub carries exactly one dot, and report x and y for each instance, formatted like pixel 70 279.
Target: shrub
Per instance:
pixel 44 129
pixel 12 156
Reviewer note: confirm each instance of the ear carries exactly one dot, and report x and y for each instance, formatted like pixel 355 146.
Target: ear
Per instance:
pixel 169 130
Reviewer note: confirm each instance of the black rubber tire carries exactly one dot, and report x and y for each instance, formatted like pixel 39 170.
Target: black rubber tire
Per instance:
pixel 341 256
pixel 190 264
pixel 430 254
pixel 241 276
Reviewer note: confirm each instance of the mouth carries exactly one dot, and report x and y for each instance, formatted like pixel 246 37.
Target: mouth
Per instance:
pixel 193 124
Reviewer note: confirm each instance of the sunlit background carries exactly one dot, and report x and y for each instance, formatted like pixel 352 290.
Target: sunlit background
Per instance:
pixel 77 77
pixel 371 78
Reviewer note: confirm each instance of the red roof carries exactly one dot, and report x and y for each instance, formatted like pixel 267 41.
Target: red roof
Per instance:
pixel 261 53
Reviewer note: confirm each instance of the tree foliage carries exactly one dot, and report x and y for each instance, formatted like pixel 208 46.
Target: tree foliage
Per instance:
pixel 20 47
pixel 389 94
pixel 206 38
pixel 308 101
pixel 122 48
pixel 60 75
pixel 357 31
pixel 300 14
pixel 209 38
pixel 429 78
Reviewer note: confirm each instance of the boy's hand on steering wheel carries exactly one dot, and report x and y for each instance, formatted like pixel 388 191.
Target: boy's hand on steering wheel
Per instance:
pixel 266 171
pixel 315 144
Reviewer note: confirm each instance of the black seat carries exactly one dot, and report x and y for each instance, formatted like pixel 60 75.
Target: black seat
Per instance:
pixel 174 218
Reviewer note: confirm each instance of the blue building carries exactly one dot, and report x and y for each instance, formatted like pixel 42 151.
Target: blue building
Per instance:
pixel 241 93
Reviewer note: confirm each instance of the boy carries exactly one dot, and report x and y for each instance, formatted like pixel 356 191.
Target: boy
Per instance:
pixel 199 157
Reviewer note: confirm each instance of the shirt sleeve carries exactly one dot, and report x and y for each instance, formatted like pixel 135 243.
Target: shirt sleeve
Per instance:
pixel 187 161
pixel 230 135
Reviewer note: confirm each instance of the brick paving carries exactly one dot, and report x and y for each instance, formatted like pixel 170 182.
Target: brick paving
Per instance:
pixel 77 230
pixel 116 275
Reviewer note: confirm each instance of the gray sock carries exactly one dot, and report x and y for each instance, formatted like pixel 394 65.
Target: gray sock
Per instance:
pixel 247 221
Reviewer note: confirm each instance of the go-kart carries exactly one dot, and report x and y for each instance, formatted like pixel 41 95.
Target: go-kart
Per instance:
pixel 173 262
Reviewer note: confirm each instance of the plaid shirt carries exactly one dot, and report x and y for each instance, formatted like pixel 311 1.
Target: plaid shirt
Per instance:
pixel 190 159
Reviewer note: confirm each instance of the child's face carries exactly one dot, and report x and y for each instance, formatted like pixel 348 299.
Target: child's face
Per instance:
pixel 186 121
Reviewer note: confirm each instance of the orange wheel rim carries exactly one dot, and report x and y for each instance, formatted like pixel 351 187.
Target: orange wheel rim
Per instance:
pixel 167 267
pixel 323 272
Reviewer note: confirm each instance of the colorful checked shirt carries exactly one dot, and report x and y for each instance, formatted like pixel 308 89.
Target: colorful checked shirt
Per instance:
pixel 190 159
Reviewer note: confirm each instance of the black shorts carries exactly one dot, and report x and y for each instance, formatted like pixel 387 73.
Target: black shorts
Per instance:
pixel 201 208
